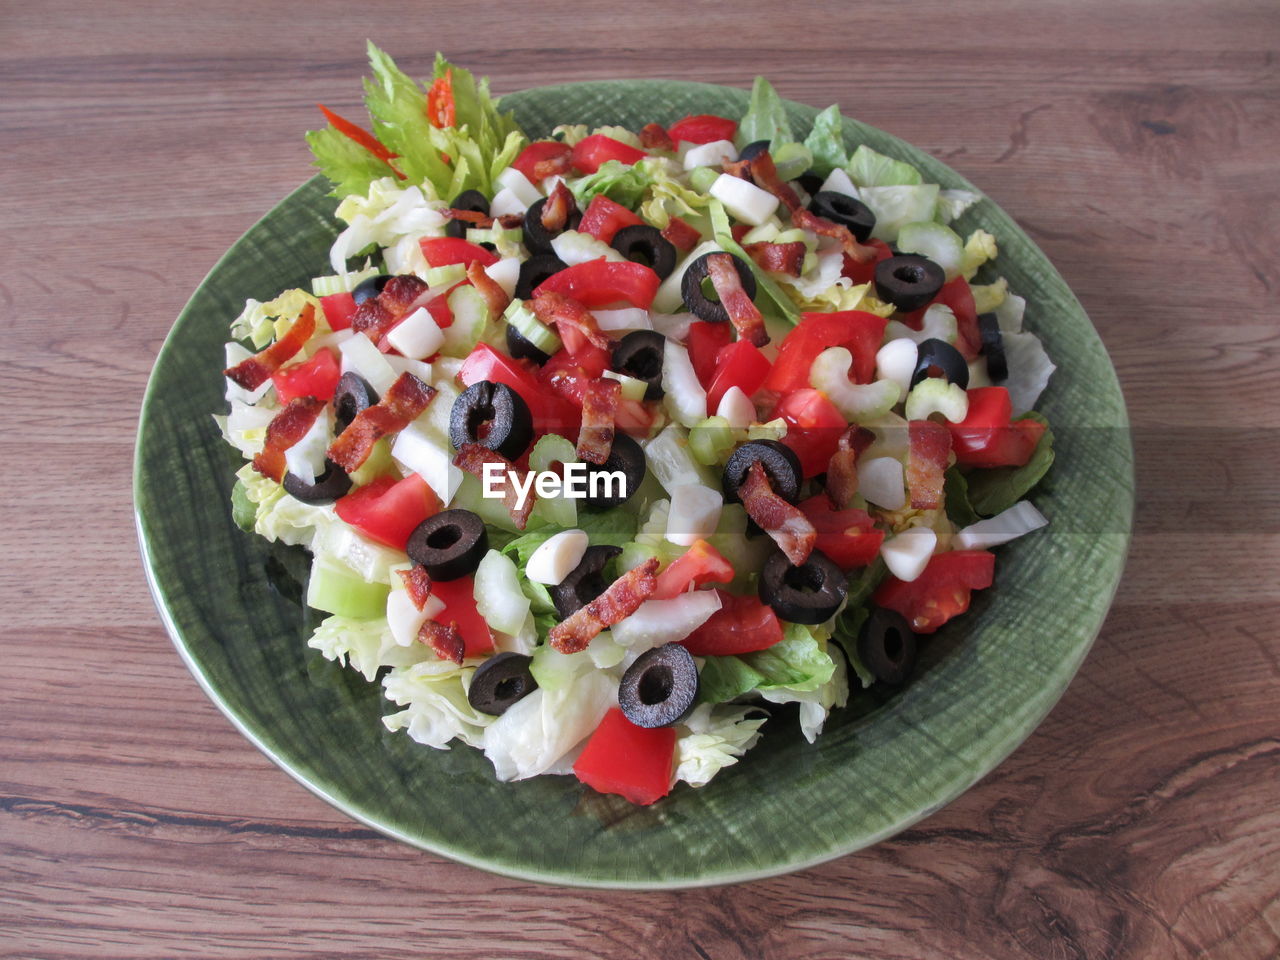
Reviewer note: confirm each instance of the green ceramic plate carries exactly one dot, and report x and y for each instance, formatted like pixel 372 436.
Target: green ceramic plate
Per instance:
pixel 882 764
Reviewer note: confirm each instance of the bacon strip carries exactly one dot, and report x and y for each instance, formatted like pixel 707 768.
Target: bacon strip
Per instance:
pixel 372 319
pixel 784 522
pixel 622 599
pixel 778 257
pixel 400 297
pixel 552 166
pixel 681 235
pixel 555 308
pixel 555 212
pixel 494 295
pixel 399 407
pixel 417 582
pixel 765 175
pixel 472 457
pixel 928 451
pixel 744 314
pixel 252 372
pixel 445 641
pixel 808 220
pixel 285 429
pixel 654 137
pixel 599 407
pixel 481 220
pixel 842 469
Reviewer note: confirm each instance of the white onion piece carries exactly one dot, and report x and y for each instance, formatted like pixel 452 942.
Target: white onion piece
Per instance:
pixel 359 355
pixel 838 182
pixel 515 181
pixel 685 399
pixel 907 554
pixel 623 318
pixel 880 482
pixel 419 453
pixel 711 154
pixel 417 336
pixel 744 200
pixel 305 459
pixel 896 361
pixel 555 559
pixel 656 622
pixel 736 407
pixel 694 514
pixel 506 274
pixel 1019 519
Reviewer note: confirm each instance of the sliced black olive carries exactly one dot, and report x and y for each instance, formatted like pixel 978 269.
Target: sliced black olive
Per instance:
pixel 585 582
pixel 695 283
pixel 500 682
pixel 940 356
pixel 993 347
pixel 536 269
pixel 809 593
pixel 641 243
pixel 492 415
pixel 626 456
pixel 521 347
pixel 811 182
pixel 326 488
pixel 639 354
pixel 537 237
pixel 450 544
pixel 660 688
pixel 908 281
pixel 472 200
pixel 842 208
pixel 369 287
pixel 886 646
pixel 781 465
pixel 352 395
pixel 753 149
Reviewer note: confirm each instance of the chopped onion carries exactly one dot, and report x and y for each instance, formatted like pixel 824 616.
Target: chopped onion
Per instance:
pixel 907 554
pixel 1019 519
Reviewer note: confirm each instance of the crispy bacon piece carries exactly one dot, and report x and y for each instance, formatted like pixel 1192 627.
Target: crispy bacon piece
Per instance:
pixel 784 522
pixel 555 308
pixel 377 315
pixel 552 167
pixel 761 171
pixel 372 319
pixel 744 314
pixel 509 221
pixel 445 641
pixel 778 257
pixel 472 458
pixel 929 448
pixel 555 212
pixel 399 407
pixel 681 235
pixel 654 137
pixel 599 407
pixel 489 288
pixel 417 582
pixel 617 603
pixel 737 168
pixel 842 469
pixel 252 372
pixel 477 219
pixel 400 294
pixel 285 429
pixel 808 220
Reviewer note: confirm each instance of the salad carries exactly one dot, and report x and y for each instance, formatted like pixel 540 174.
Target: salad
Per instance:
pixel 606 447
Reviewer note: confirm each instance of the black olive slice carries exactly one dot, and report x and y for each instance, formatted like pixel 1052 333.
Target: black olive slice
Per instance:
pixel 844 209
pixel 492 415
pixel 641 243
pixel 938 355
pixel 809 593
pixel 328 487
pixel 639 354
pixel 993 347
pixel 887 646
pixel 908 281
pixel 626 456
pixel 696 300
pixel 534 270
pixel 781 465
pixel 450 544
pixel 522 348
pixel 351 395
pixel 753 149
pixel 585 582
pixel 660 688
pixel 811 182
pixel 369 287
pixel 500 682
pixel 537 237
pixel 472 200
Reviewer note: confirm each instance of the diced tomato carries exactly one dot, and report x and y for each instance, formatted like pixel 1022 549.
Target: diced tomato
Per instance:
pixel 387 510
pixel 551 414
pixel 630 761
pixel 604 217
pixel 739 230
pixel 338 308
pixel 987 437
pixel 544 152
pixel 592 152
pixel 704 343
pixel 599 283
pixel 941 592
pixel 682 235
pixel 438 307
pixel 702 128
pixel 699 565
pixel 445 251
pixel 814 426
pixel 861 273
pixel 317 377
pixel 740 364
pixel 856 330
pixel 848 537
pixel 743 624
pixel 957 295
pixel 458 597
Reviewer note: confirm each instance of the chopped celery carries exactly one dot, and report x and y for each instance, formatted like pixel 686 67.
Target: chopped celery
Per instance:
pixel 531 328
pixel 701 178
pixel 573 248
pixel 711 441
pixel 446 276
pixel 671 461
pixel 340 282
pixel 936 395
pixel 791 159
pixel 498 236
pixel 632 389
pixel 335 588
pixel 499 598
pixel 378 464
pixel 470 318
pixel 549 450
pixel 855 401
pixel 470 496
pixel 931 239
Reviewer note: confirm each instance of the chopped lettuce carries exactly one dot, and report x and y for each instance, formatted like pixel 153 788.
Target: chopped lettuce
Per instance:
pixel 979 247
pixel 712 738
pixel 434 695
pixel 799 662
pixel 621 183
pixel 994 491
pixel 895 206
pixel 539 730
pixel 668 196
pixel 987 297
pixel 257 322
pixel 826 142
pixel 815 704
pixel 766 117
pixel 953 203
pixel 869 168
pixel 363 645
pixel 1029 369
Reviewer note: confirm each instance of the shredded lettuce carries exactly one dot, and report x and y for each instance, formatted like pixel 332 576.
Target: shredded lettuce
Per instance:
pixel 257 322
pixel 712 738
pixel 621 183
pixel 896 206
pixel 1029 369
pixel 766 117
pixel 979 247
pixel 363 645
pixel 669 197
pixel 816 703
pixel 952 203
pixel 826 142
pixel 539 730
pixel 987 297
pixel 869 168
pixel 434 695
pixel 799 662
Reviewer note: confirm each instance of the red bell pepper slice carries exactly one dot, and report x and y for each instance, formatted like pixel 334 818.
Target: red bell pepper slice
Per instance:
pixel 699 565
pixel 360 136
pixel 317 377
pixel 702 128
pixel 988 437
pixel 592 152
pixel 941 592
pixel 856 330
pixel 441 111
pixel 458 597
pixel 387 510
pixel 633 762
pixel 814 426
pixel 865 272
pixel 604 218
pixel 740 364
pixel 848 537
pixel 743 624
pixel 446 251
pixel 681 235
pixel 599 283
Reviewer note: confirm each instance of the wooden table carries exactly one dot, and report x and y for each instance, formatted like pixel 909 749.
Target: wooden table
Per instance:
pixel 1137 142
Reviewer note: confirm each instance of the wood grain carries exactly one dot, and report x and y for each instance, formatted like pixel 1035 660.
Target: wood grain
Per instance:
pixel 1136 142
